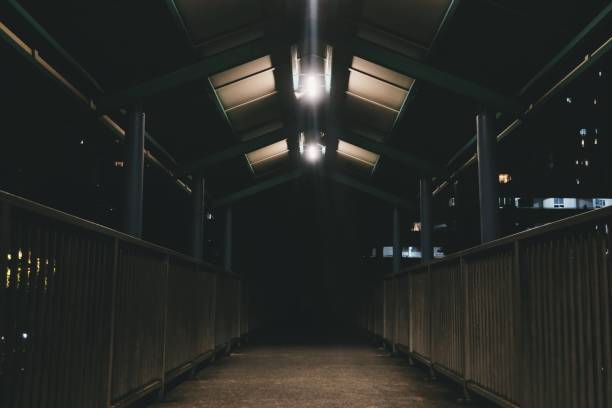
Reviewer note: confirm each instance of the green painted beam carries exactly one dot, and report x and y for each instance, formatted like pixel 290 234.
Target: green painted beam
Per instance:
pixel 258 188
pixel 570 47
pixel 366 188
pixel 52 43
pixel 422 166
pixel 212 159
pixel 425 72
pixel 194 72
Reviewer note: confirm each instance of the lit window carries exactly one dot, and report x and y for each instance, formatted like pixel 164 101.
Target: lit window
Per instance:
pixel 582 143
pixel 451 202
pixel 577 162
pixel 577 181
pixel 119 164
pixel 568 100
pixel 416 227
pixel 595 141
pixel 504 178
pixel 586 163
pixel 583 132
pixel 599 203
pixel 558 202
pixel 595 101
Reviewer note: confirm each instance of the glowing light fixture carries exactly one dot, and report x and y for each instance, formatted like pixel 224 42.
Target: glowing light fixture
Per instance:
pixel 311 75
pixel 311 150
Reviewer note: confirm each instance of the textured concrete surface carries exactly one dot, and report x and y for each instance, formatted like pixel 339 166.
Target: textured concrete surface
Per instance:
pixel 311 375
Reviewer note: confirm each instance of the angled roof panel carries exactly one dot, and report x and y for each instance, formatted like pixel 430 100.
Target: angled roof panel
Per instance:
pixel 211 18
pixel 241 71
pixel 416 20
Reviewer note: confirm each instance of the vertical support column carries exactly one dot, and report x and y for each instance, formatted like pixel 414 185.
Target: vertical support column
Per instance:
pixel 228 239
pixel 397 248
pixel 135 136
pixel 426 220
pixel 487 175
pixel 199 217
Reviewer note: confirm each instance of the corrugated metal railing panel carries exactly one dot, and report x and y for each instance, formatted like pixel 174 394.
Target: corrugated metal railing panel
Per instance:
pixel 569 337
pixel 420 309
pixel 244 310
pixel 189 319
pixel 447 311
pixel 228 309
pixel 89 317
pixel 389 310
pixel 379 314
pixel 403 309
pixel 139 318
pixel 55 300
pixel 493 340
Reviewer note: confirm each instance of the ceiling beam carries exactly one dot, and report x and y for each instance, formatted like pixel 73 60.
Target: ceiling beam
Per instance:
pixel 366 188
pixel 194 72
pixel 422 166
pixel 234 151
pixel 425 72
pixel 258 188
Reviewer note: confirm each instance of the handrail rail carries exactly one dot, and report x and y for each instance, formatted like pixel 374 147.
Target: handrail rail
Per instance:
pixel 572 221
pixel 91 226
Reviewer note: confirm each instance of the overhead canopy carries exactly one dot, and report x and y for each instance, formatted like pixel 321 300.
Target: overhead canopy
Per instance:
pixel 226 83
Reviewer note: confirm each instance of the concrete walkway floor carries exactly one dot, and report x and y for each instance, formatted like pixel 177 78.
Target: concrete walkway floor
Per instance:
pixel 309 376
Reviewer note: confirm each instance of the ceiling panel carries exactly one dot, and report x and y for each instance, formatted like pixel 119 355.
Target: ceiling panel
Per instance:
pixel 358 110
pixel 241 71
pixel 211 18
pixel 358 154
pixel 376 90
pixel 268 158
pixel 248 89
pixel 416 20
pixel 254 115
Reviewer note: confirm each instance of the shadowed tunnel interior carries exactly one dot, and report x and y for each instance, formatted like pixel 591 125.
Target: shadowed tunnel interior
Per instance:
pixel 305 203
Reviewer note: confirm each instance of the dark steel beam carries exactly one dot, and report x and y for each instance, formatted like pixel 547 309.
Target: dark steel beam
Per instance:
pixel 52 43
pixel 487 175
pixel 358 185
pixel 425 72
pixel 426 219
pixel 197 71
pixel 257 188
pixel 575 73
pixel 198 217
pixel 212 159
pixel 423 166
pixel 228 256
pixel 397 246
pixel 135 136
pixel 570 47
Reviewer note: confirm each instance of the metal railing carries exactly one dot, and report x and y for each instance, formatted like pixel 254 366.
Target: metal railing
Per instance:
pixel 523 321
pixel 90 317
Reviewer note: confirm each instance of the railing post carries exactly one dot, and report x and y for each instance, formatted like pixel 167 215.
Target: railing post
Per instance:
pixel 5 346
pixel 162 389
pixel 467 347
pixel 134 166
pixel 113 310
pixel 430 288
pixel 522 325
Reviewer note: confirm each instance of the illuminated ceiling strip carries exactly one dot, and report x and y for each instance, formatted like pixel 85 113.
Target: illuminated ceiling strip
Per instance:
pixel 371 101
